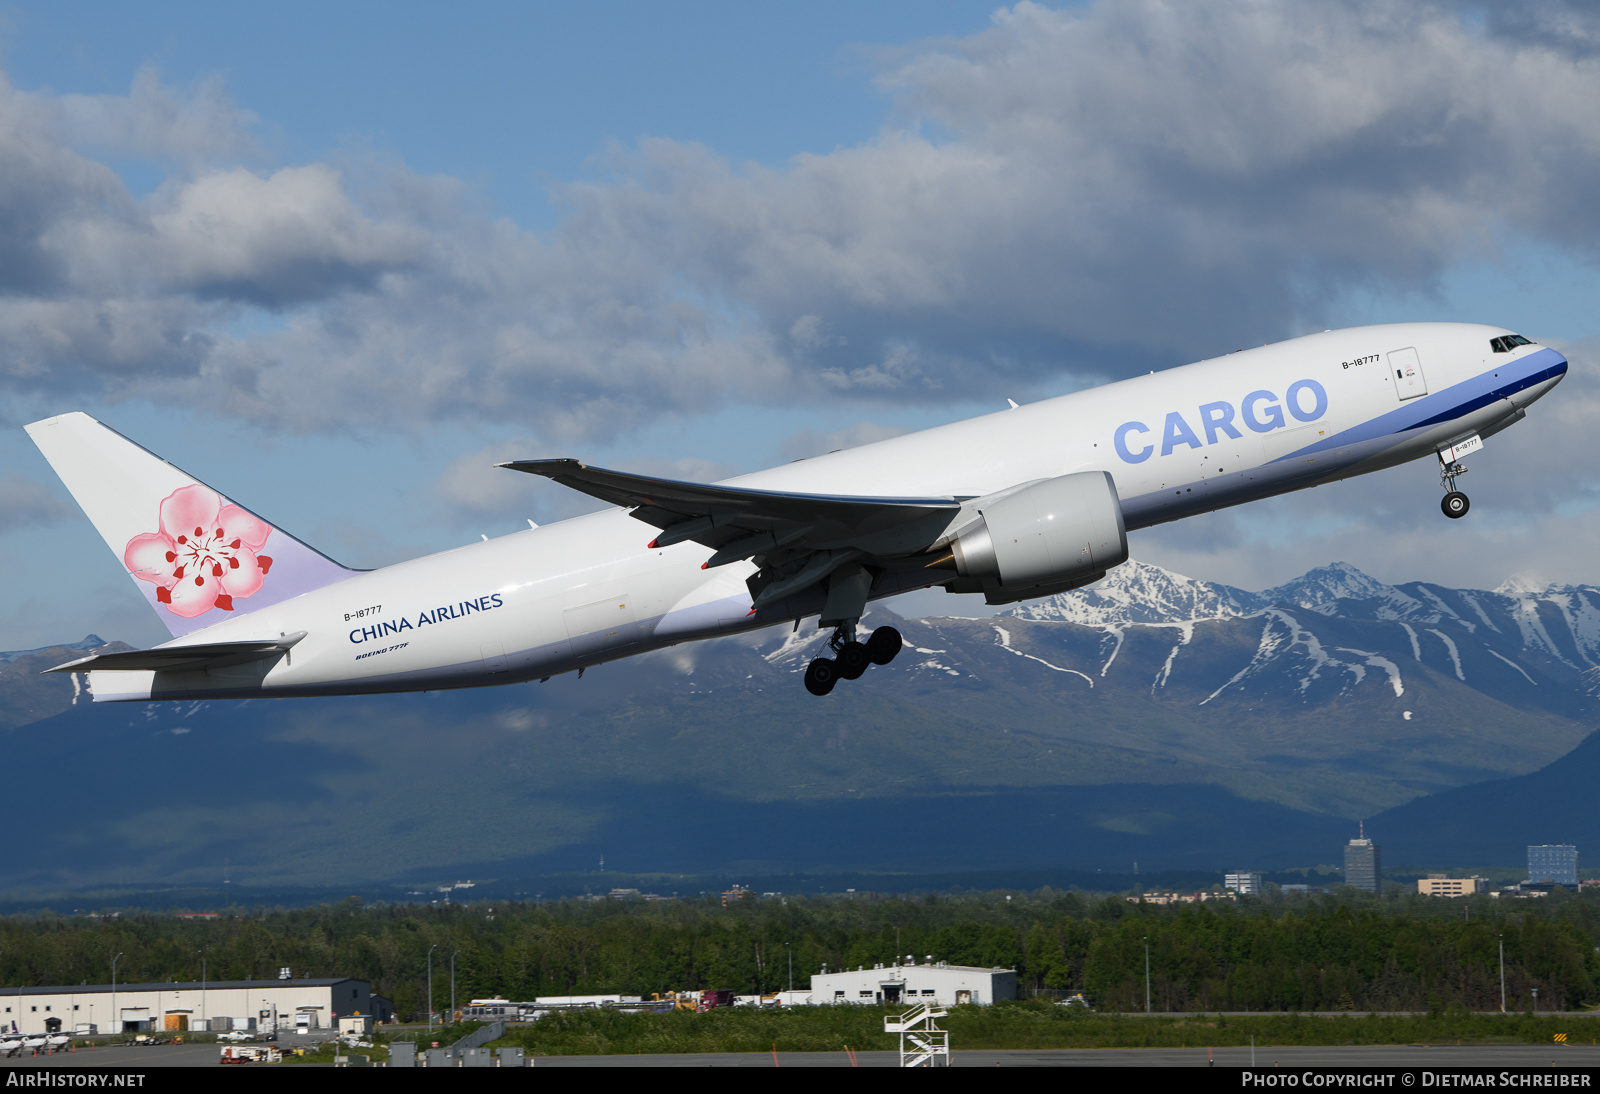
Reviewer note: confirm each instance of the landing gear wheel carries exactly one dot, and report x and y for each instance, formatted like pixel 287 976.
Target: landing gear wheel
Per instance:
pixel 853 660
pixel 884 644
pixel 1455 505
pixel 821 675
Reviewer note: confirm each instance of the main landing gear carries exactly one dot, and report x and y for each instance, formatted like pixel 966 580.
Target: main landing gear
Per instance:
pixel 851 658
pixel 1455 503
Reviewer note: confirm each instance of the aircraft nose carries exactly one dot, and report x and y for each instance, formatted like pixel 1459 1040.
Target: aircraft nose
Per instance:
pixel 1553 371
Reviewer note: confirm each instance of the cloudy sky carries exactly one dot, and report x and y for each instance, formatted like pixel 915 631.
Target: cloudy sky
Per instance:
pixel 337 261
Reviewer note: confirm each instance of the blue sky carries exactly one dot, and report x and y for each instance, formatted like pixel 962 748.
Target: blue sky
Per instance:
pixel 506 96
pixel 336 260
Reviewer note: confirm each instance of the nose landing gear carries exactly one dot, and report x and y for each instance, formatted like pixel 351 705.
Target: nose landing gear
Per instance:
pixel 1455 503
pixel 851 658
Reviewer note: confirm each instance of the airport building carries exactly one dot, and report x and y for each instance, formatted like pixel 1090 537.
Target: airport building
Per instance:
pixel 897 985
pixel 1557 862
pixel 217 1006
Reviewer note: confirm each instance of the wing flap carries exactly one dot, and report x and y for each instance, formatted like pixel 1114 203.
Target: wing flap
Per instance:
pixel 721 514
pixel 181 658
pixel 796 540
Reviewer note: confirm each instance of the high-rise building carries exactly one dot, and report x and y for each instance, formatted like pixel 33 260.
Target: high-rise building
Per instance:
pixel 1243 882
pixel 1557 862
pixel 1361 866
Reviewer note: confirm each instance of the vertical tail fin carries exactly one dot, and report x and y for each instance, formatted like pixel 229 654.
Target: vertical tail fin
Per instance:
pixel 196 556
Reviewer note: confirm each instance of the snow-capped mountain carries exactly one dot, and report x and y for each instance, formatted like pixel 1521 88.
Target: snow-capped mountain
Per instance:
pixel 1136 716
pixel 1323 588
pixel 1558 625
pixel 92 642
pixel 1333 691
pixel 1137 592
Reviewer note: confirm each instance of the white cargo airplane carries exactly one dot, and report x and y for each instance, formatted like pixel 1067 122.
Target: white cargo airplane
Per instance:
pixel 1023 503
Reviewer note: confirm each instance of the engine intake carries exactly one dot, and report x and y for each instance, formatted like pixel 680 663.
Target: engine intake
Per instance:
pixel 1056 532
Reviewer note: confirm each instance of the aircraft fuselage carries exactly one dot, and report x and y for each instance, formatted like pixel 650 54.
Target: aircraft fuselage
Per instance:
pixel 1187 440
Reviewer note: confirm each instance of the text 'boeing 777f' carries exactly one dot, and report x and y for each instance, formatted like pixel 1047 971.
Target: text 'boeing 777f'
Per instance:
pixel 1022 503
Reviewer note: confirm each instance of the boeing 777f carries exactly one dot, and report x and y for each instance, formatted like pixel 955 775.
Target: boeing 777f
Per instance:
pixel 1023 503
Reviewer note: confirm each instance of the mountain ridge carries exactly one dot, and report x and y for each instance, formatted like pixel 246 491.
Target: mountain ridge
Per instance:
pixel 1152 717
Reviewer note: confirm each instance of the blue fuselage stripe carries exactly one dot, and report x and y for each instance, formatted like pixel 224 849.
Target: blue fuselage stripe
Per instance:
pixel 1359 443
pixel 1451 403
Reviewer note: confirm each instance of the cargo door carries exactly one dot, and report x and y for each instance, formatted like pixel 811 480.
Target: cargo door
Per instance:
pixel 602 627
pixel 1405 366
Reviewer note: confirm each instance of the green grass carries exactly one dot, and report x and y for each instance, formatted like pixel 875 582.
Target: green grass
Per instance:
pixel 1024 1025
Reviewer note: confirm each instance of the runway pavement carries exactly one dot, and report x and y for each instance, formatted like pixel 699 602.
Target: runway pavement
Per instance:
pixel 1397 1056
pixel 1386 1056
pixel 125 1056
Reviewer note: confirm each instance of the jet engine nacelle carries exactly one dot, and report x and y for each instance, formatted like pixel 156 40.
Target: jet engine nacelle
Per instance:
pixel 1043 537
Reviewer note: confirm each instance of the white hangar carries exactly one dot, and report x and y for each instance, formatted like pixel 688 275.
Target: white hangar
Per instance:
pixel 935 982
pixel 187 1005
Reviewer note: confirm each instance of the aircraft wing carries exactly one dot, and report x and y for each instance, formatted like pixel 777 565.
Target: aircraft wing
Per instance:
pixel 740 523
pixel 181 658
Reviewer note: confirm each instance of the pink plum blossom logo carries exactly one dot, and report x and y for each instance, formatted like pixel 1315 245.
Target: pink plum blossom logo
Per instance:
pixel 204 556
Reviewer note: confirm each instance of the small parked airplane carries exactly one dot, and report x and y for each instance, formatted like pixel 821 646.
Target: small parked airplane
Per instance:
pixel 15 1044
pixel 1023 503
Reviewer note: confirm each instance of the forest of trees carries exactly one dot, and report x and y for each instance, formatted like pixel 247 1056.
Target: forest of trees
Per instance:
pixel 1349 951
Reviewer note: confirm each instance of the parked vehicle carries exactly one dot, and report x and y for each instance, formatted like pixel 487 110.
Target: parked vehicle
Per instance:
pixel 250 1054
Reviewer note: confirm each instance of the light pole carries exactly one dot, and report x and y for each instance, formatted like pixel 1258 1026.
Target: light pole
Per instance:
pixel 1535 1000
pixel 430 989
pixel 791 964
pixel 203 1015
pixel 1147 974
pixel 1502 974
pixel 453 985
pixel 114 1011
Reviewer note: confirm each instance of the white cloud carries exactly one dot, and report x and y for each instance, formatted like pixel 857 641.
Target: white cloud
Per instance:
pixel 25 502
pixel 807 443
pixel 474 488
pixel 1094 190
pixel 291 237
pixel 153 121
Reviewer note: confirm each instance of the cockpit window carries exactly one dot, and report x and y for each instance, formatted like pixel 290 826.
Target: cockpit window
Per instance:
pixel 1507 343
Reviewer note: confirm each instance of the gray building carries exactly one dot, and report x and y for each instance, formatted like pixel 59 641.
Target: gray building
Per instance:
pixel 1557 862
pixel 1362 870
pixel 1245 881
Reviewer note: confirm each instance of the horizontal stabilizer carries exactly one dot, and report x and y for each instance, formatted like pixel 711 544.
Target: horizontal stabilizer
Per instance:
pixel 205 655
